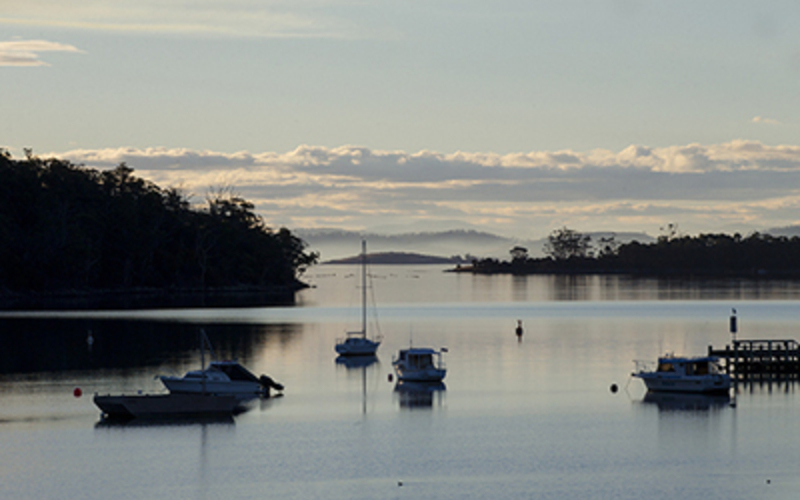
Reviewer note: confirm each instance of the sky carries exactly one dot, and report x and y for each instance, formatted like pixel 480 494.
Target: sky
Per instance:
pixel 513 117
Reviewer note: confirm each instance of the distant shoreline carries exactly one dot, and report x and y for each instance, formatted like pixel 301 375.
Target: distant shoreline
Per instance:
pixel 639 272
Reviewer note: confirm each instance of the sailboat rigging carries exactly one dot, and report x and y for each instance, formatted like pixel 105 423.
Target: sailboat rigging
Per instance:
pixel 357 343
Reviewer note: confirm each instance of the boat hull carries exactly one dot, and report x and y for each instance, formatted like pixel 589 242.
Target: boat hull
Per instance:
pixel 167 405
pixel 715 384
pixel 415 375
pixel 357 347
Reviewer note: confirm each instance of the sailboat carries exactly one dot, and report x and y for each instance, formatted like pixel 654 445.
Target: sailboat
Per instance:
pixel 356 343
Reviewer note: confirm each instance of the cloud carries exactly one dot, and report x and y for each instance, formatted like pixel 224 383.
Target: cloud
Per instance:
pixel 26 52
pixel 237 18
pixel 766 121
pixel 698 186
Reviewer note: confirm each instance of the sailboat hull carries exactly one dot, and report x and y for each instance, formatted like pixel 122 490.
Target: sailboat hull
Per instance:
pixel 356 346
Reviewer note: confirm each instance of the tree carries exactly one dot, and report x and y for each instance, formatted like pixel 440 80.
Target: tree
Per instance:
pixel 519 254
pixel 564 243
pixel 609 247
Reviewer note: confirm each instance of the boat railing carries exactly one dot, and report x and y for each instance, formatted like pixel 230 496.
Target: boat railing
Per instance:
pixel 644 366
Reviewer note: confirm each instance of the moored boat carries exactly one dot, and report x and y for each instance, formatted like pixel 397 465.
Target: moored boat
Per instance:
pixel 684 374
pixel 420 364
pixel 167 405
pixel 357 343
pixel 221 377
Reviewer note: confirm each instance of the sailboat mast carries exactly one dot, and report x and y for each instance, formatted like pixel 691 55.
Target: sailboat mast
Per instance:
pixel 364 287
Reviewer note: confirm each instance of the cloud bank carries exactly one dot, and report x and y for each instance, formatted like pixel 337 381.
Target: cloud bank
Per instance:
pixel 703 188
pixel 237 18
pixel 26 52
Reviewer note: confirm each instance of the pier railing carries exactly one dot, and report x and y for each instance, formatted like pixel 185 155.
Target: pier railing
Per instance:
pixel 760 359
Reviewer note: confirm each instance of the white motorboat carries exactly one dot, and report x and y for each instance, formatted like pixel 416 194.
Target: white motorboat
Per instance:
pixel 357 343
pixel 684 374
pixel 420 364
pixel 220 377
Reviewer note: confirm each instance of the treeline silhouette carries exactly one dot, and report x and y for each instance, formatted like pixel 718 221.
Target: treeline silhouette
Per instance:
pixel 756 255
pixel 68 228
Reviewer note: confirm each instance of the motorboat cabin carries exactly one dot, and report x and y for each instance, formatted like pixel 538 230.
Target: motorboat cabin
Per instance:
pixel 685 374
pixel 420 364
pixel 221 377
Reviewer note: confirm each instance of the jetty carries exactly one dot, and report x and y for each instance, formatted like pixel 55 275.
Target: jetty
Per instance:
pixel 753 360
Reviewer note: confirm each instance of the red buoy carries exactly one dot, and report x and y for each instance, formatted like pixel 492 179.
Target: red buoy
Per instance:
pixel 77 392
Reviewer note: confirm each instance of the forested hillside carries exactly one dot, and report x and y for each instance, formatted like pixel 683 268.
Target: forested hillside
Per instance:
pixel 64 227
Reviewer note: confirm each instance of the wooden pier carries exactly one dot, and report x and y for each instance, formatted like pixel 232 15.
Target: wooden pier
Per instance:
pixel 748 360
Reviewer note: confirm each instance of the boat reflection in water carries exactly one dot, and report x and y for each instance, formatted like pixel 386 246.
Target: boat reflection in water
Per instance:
pixel 208 420
pixel 676 401
pixel 356 361
pixel 413 395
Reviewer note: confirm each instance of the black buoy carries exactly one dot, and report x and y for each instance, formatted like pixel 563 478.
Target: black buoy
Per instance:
pixel 519 329
pixel 614 388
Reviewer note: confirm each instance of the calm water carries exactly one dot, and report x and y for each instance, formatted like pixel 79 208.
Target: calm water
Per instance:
pixel 529 419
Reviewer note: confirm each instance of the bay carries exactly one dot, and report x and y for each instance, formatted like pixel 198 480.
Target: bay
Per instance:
pixel 534 418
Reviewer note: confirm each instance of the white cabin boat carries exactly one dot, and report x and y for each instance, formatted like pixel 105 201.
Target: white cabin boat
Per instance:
pixel 420 364
pixel 356 343
pixel 221 377
pixel 685 374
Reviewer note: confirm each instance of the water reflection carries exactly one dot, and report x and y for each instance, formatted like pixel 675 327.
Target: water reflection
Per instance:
pixel 674 401
pixel 119 423
pixel 765 385
pixel 571 287
pixel 582 287
pixel 352 362
pixel 415 395
pixel 31 345
pixel 359 364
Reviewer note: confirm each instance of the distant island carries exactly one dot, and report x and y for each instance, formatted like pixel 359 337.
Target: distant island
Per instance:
pixel 75 237
pixel 399 258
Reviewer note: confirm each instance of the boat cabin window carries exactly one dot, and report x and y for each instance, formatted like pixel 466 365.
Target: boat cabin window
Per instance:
pixel 421 360
pixel 665 367
pixel 236 372
pixel 700 368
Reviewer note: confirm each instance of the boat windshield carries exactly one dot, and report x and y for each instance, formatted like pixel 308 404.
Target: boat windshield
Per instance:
pixel 665 367
pixel 236 372
pixel 420 360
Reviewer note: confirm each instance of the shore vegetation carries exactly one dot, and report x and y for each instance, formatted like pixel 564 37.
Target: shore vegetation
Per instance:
pixel 68 229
